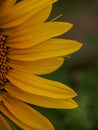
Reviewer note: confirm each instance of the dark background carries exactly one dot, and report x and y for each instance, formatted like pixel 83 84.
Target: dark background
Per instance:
pixel 80 71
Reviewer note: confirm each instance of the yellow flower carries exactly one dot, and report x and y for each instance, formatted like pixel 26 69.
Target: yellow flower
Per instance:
pixel 27 50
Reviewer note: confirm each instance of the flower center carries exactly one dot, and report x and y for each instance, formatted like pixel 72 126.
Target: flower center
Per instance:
pixel 3 59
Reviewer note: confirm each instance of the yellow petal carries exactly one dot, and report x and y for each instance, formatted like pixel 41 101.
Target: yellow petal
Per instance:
pixel 37 67
pixel 38 17
pixel 3 124
pixel 39 86
pixel 40 100
pixel 22 11
pixel 25 114
pixel 48 49
pixel 32 36
pixel 8 114
pixel 6 6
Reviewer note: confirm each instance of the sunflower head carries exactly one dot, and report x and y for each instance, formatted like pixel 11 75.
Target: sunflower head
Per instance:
pixel 29 47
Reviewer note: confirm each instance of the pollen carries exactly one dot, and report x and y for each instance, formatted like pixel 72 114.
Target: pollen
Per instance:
pixel 3 61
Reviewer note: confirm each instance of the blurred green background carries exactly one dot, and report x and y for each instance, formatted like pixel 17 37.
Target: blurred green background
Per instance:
pixel 80 71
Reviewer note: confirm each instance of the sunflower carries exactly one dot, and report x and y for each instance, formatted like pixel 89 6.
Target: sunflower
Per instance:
pixel 28 50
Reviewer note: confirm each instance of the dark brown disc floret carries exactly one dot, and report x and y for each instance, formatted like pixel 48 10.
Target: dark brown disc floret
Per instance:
pixel 3 61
